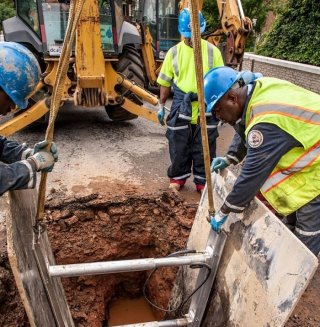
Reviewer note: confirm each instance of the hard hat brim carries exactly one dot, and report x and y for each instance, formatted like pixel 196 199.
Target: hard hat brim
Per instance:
pixel 21 104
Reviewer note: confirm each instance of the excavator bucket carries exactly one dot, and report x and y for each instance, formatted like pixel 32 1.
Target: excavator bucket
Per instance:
pixel 264 268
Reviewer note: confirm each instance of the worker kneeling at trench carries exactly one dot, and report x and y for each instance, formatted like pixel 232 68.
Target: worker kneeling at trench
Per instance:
pixel 19 75
pixel 277 130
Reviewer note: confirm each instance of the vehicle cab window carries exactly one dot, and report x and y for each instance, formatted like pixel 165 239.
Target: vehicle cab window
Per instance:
pixel 27 10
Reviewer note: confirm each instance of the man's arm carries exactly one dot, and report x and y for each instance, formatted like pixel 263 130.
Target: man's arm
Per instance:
pixel 266 144
pixel 11 151
pixel 17 176
pixel 165 92
pixel 237 150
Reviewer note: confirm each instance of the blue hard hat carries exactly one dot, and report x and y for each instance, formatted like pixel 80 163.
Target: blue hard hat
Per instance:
pixel 184 23
pixel 218 81
pixel 19 72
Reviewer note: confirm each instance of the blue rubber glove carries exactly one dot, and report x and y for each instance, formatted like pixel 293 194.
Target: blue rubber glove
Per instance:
pixel 218 220
pixel 161 114
pixel 219 163
pixel 43 158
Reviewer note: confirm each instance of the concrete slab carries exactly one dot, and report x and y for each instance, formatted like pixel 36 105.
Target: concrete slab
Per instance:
pixel 264 268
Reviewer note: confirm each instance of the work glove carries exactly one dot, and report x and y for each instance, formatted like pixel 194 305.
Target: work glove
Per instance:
pixel 219 163
pixel 161 113
pixel 43 158
pixel 26 153
pixel 218 220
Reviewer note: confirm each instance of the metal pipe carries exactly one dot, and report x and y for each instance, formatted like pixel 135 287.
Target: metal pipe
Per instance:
pixel 240 9
pixel 166 323
pixel 108 267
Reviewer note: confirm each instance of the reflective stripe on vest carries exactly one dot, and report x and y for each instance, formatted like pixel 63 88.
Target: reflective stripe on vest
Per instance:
pixel 165 78
pixel 175 64
pixel 305 160
pixel 210 55
pixel 175 60
pixel 299 113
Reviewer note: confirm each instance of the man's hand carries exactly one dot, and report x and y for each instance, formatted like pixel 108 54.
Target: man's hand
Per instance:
pixel 219 163
pixel 218 220
pixel 43 158
pixel 161 113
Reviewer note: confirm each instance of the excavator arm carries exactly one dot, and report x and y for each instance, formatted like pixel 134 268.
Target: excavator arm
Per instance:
pixel 234 25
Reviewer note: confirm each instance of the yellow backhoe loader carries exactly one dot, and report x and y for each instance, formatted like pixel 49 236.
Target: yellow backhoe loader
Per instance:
pixel 105 67
pixel 113 61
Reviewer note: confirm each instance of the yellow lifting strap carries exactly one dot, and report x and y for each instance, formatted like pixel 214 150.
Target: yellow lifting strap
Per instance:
pixel 196 41
pixel 74 16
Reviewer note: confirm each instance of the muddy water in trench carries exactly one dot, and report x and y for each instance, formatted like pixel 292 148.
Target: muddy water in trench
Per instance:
pixel 130 311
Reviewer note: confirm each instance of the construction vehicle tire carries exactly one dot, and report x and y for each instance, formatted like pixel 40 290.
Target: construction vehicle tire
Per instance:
pixel 130 66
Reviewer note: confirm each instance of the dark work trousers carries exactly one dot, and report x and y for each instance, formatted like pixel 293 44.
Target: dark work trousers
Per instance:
pixel 305 223
pixel 185 143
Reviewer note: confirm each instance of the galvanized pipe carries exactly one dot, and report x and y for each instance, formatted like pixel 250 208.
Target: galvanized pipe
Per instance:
pixel 240 9
pixel 166 323
pixel 108 267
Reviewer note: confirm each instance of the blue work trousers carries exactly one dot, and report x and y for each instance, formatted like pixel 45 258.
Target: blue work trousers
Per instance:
pixel 185 148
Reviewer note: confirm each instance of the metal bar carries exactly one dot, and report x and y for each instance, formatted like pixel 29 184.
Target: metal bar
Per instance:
pixel 108 267
pixel 240 9
pixel 166 323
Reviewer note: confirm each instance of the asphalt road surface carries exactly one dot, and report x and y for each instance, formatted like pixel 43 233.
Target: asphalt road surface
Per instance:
pixel 99 155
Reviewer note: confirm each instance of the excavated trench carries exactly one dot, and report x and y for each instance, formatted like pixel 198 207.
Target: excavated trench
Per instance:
pixel 91 229
pixel 96 228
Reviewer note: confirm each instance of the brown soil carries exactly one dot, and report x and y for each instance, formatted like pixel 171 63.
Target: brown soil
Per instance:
pixel 307 312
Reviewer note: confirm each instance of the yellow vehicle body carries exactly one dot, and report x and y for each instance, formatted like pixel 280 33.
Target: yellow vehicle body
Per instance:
pixel 94 81
pixel 93 78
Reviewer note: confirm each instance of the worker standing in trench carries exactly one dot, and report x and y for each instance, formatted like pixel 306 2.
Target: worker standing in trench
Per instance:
pixel 183 128
pixel 19 75
pixel 278 133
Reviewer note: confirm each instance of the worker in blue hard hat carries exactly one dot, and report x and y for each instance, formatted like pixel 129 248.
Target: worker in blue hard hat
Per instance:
pixel 183 128
pixel 278 133
pixel 19 75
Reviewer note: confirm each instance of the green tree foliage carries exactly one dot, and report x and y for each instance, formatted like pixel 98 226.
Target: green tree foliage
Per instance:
pixel 6 10
pixel 295 36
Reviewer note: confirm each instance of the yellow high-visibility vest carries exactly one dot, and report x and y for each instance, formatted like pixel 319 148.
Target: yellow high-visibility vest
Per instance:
pixel 178 67
pixel 295 180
